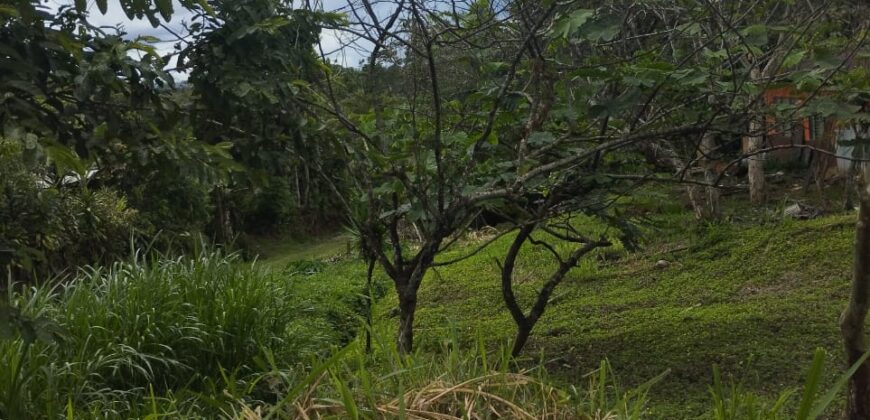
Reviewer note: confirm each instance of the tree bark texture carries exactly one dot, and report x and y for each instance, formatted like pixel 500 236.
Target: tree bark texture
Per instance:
pixel 754 143
pixel 853 318
pixel 407 309
pixel 756 163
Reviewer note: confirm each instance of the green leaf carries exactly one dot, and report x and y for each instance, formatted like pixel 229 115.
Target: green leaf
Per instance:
pixel 694 78
pixel 205 6
pixel 152 20
pixel 814 378
pixel 692 28
pixel 793 59
pixel 755 35
pixel 64 159
pixel 81 5
pixel 103 5
pixel 828 107
pixel 539 138
pixel 829 396
pixel 8 10
pixel 718 54
pixel 165 8
pixel 148 38
pixel 460 137
pixel 603 28
pixel 566 26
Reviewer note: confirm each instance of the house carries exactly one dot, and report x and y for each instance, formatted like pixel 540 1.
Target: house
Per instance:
pixel 814 131
pixel 829 140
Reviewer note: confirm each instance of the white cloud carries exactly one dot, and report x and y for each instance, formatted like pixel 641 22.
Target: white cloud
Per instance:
pixel 115 17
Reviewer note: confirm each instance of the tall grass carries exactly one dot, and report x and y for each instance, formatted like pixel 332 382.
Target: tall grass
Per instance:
pixel 732 402
pixel 138 328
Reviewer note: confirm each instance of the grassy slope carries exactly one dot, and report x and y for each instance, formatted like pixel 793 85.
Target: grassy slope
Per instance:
pixel 755 300
pixel 280 252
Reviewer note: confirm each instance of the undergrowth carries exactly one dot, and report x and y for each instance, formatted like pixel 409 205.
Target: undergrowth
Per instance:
pixel 216 337
pixel 159 326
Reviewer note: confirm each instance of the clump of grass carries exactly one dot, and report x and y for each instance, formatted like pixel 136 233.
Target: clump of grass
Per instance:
pixel 146 326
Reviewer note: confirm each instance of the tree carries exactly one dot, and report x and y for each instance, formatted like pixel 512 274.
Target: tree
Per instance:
pixel 437 162
pixel 91 108
pixel 571 88
pixel 852 320
pixel 553 216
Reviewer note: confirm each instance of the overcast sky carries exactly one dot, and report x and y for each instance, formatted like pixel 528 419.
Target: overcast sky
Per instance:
pixel 115 16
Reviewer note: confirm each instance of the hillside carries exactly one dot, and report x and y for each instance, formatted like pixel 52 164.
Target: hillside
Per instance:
pixel 753 297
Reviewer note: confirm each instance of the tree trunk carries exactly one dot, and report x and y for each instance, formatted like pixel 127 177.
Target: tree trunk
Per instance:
pixel 753 145
pixel 369 304
pixel 712 209
pixel 853 318
pixel 697 201
pixel 407 308
pixel 756 164
pixel 523 332
pixel 222 218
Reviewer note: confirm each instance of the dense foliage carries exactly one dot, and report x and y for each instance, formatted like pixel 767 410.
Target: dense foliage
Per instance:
pixel 543 117
pixel 93 109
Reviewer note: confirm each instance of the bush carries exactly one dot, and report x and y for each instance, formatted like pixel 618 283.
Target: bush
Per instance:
pixel 101 228
pixel 29 226
pixel 46 229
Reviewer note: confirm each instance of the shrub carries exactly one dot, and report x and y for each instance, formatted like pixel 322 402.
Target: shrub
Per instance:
pixel 98 228
pixel 29 225
pixel 46 229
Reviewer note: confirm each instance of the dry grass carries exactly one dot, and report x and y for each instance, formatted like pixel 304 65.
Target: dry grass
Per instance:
pixel 492 396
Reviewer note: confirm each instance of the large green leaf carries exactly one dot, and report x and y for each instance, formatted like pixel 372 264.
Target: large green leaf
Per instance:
pixel 165 8
pixel 567 25
pixel 64 159
pixel 755 35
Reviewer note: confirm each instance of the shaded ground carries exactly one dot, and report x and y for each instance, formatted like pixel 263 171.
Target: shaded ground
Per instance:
pixel 278 252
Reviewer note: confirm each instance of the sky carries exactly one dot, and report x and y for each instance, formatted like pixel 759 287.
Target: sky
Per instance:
pixel 331 41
